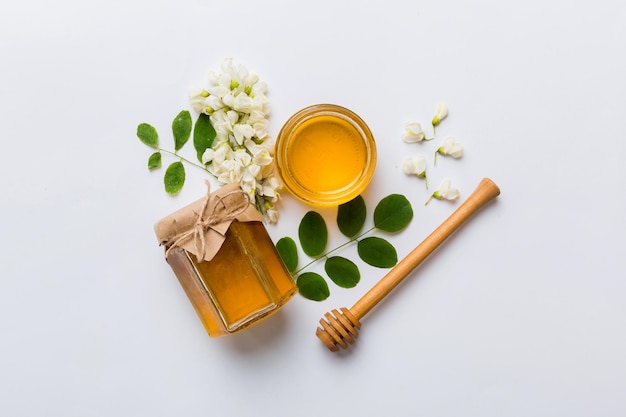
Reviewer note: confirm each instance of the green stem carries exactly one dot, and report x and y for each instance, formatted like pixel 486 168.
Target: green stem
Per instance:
pixel 182 158
pixel 325 255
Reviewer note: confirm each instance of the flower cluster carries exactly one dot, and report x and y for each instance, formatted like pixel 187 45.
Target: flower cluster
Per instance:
pixel 236 102
pixel 413 132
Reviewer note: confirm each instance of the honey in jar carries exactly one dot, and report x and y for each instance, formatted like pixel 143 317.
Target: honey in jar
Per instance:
pixel 236 278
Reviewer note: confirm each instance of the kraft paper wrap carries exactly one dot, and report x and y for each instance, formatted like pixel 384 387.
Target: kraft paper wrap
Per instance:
pixel 200 228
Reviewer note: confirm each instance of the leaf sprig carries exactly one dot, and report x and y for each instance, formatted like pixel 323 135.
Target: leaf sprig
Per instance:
pixel 392 214
pixel 182 127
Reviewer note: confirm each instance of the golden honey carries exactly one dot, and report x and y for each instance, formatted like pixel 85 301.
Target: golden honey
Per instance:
pixel 244 283
pixel 325 155
pixel 225 261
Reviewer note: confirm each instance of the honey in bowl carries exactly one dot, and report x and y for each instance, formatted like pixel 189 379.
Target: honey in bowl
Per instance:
pixel 325 155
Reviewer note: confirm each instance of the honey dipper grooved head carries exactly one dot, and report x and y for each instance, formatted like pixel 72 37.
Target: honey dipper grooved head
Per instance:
pixel 339 329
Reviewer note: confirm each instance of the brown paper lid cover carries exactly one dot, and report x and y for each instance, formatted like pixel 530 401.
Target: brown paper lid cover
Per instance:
pixel 200 227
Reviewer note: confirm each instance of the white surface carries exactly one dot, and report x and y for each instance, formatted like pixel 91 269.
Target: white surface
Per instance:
pixel 522 313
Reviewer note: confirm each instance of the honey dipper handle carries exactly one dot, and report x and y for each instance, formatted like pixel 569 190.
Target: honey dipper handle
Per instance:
pixel 486 191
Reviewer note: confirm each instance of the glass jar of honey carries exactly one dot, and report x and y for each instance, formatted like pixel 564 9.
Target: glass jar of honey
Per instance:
pixel 225 261
pixel 325 155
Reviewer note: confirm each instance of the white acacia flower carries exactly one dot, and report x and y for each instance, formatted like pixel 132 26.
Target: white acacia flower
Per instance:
pixel 230 172
pixel 272 214
pixel 253 147
pixel 450 147
pixel 442 112
pixel 270 186
pixel 222 125
pixel 261 155
pixel 413 132
pixel 258 120
pixel 233 118
pixel 259 102
pixel 243 103
pixel 236 102
pixel 242 132
pixel 415 166
pixel 242 156
pixel 198 98
pixel 217 155
pixel 228 99
pixel 263 158
pixel 267 170
pixel 258 116
pixel 237 73
pixel 207 156
pixel 249 187
pixel 444 192
pixel 217 89
pixel 252 172
pixel 211 104
pixel 255 88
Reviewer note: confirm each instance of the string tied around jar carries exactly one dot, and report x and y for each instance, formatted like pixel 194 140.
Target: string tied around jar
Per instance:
pixel 201 227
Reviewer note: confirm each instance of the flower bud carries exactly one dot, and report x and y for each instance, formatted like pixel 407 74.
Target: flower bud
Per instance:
pixel 442 112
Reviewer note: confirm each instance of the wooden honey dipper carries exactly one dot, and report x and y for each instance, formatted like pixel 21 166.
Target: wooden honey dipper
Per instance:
pixel 340 329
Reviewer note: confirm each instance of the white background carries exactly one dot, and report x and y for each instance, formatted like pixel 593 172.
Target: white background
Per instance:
pixel 521 313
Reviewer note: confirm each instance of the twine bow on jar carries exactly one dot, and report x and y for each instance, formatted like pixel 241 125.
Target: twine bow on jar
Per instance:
pixel 200 228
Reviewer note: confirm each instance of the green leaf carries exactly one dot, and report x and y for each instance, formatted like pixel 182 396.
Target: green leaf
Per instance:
pixel 377 252
pixel 154 161
pixel 203 135
pixel 342 271
pixel 148 135
pixel 288 252
pixel 313 234
pixel 174 177
pixel 351 216
pixel 181 128
pixel 313 286
pixel 393 213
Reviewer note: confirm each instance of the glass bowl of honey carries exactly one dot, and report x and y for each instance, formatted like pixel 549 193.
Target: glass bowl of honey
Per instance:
pixel 325 155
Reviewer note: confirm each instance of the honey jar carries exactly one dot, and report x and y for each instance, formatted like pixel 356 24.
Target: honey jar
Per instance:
pixel 225 261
